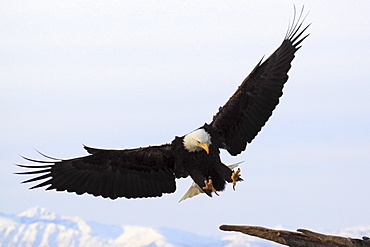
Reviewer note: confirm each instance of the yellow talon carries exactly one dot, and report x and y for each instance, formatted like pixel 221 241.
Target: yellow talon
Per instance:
pixel 235 176
pixel 209 186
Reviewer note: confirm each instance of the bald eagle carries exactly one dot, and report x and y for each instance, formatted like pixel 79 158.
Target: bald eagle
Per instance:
pixel 152 171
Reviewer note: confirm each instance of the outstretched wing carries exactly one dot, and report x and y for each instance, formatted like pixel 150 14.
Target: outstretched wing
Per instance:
pixel 130 173
pixel 247 111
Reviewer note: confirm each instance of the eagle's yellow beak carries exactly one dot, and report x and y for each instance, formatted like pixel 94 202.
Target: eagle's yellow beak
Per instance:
pixel 204 145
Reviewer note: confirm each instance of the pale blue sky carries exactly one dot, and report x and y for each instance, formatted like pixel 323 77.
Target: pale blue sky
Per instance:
pixel 114 74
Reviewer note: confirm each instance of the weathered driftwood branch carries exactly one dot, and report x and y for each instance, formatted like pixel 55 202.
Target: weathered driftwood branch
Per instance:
pixel 302 238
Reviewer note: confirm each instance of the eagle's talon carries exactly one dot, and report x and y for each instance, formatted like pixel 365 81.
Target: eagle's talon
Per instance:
pixel 235 177
pixel 209 185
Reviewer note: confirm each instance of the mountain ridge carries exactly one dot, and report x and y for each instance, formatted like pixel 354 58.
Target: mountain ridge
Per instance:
pixel 37 226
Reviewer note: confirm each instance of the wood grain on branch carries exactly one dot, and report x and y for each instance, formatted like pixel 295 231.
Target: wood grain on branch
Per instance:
pixel 301 238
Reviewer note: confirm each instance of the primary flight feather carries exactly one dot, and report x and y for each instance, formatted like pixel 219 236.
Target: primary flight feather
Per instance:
pixel 152 171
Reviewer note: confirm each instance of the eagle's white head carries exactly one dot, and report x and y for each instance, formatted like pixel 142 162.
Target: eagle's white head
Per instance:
pixel 197 141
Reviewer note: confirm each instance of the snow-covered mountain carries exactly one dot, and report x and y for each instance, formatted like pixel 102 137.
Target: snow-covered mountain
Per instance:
pixel 38 227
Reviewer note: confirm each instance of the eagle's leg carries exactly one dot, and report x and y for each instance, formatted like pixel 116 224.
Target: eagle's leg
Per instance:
pixel 209 185
pixel 235 176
